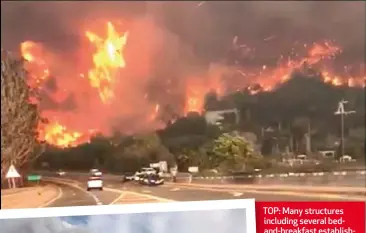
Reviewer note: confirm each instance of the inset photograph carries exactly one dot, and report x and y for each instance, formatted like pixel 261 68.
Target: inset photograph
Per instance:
pixel 195 217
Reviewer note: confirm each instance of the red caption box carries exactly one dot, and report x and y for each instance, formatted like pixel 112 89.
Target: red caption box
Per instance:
pixel 310 217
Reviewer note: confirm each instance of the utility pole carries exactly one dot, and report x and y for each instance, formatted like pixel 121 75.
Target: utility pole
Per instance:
pixel 341 111
pixel 308 139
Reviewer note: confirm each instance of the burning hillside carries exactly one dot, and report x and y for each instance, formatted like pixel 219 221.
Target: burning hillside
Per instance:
pixel 125 76
pixel 106 72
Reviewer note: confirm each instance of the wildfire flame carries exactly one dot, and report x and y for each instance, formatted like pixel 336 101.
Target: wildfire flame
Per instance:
pixel 269 78
pixel 56 134
pixel 107 60
pixel 36 65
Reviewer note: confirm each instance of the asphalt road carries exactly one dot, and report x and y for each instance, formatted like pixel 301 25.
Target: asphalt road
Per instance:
pixel 72 197
pixel 116 192
pixel 179 192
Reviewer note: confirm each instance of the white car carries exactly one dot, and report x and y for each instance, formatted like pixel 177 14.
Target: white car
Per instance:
pixel 95 182
pixel 148 171
pixel 95 172
pixel 61 173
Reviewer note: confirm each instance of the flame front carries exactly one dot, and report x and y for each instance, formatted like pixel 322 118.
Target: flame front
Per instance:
pixel 67 127
pixel 195 94
pixel 56 134
pixel 107 60
pixel 36 65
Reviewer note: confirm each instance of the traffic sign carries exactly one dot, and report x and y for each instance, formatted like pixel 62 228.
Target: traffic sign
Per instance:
pixel 12 172
pixel 34 178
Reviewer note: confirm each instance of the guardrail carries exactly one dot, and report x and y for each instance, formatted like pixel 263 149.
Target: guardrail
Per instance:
pixel 336 178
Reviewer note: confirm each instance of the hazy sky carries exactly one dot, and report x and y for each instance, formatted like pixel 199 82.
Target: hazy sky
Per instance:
pixel 215 221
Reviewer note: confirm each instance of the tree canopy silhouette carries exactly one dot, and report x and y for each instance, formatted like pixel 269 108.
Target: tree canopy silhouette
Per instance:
pixel 19 117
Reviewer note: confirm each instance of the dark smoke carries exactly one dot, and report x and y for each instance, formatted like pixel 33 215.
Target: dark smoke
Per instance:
pixel 208 29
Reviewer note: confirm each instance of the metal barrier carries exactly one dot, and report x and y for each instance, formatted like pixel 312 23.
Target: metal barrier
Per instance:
pixel 337 178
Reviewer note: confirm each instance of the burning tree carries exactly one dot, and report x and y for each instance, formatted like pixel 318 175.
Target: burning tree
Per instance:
pixel 19 117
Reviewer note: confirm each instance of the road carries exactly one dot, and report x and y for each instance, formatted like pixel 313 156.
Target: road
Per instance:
pixel 115 192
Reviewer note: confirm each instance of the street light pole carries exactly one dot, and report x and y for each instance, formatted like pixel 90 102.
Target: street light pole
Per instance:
pixel 343 113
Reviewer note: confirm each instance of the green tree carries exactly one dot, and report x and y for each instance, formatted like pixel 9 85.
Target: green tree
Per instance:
pixel 19 117
pixel 232 151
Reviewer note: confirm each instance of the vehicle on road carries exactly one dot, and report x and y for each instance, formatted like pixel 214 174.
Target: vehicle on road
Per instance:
pixel 152 180
pixel 95 172
pixel 61 173
pixel 143 172
pixel 138 176
pixel 95 182
pixel 128 177
pixel 148 170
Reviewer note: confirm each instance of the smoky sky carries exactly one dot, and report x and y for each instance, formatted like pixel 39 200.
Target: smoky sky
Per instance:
pixel 207 28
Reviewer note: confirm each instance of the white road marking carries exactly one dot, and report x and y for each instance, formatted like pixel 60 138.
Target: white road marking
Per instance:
pixel 67 182
pixel 174 189
pixel 59 195
pixel 117 199
pixel 146 191
pixel 97 199
pixel 236 194
pixel 160 199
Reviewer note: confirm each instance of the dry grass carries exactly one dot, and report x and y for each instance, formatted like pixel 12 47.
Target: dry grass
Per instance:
pixel 27 197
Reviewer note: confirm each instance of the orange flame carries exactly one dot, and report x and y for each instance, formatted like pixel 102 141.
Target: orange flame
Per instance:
pixel 56 134
pixel 33 53
pixel 107 60
pixel 196 90
pixel 270 78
